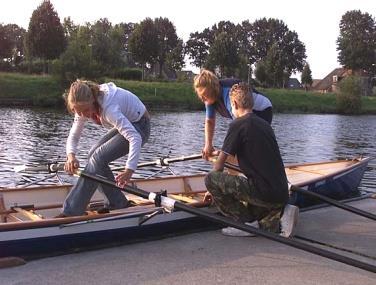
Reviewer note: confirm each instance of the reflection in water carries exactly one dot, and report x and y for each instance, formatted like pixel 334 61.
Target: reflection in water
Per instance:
pixel 31 136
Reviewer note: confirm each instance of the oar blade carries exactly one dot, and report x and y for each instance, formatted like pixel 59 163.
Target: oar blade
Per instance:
pixel 19 168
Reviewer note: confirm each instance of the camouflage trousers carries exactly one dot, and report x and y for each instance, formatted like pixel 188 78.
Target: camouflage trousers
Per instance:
pixel 236 197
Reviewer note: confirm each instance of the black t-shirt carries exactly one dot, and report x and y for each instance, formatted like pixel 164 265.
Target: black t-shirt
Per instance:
pixel 252 140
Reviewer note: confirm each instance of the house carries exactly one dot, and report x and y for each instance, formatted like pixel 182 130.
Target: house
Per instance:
pixel 331 81
pixel 314 84
pixel 293 83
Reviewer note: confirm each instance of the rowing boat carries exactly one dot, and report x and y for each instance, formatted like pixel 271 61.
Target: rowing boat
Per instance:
pixel 28 227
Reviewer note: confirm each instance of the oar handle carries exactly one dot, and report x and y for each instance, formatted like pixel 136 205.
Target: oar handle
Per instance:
pixel 163 161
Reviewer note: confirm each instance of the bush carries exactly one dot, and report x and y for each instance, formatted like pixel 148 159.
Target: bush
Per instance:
pixel 349 96
pixel 129 74
pixel 34 67
pixel 5 66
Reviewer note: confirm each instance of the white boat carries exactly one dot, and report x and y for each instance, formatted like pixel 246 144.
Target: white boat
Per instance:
pixel 28 227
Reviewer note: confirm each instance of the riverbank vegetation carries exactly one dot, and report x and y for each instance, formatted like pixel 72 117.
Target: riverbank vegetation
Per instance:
pixel 152 49
pixel 43 91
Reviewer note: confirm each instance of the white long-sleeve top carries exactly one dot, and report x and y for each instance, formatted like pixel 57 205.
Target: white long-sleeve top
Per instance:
pixel 120 108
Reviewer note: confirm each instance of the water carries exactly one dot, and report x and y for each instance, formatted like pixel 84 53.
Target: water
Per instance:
pixel 31 137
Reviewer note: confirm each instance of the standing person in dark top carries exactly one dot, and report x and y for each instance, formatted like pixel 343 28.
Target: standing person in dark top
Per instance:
pixel 260 197
pixel 214 93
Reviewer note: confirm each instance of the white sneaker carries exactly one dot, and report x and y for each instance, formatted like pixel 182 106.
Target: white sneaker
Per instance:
pixel 289 220
pixel 234 232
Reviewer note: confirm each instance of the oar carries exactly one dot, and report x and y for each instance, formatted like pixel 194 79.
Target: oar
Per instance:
pixel 173 204
pixel 318 196
pixel 49 167
pixel 164 161
pixel 54 167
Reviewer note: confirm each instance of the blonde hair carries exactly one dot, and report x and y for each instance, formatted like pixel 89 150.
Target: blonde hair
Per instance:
pixel 82 92
pixel 242 94
pixel 208 80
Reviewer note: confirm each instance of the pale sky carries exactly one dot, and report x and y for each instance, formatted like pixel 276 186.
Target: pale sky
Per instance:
pixel 316 22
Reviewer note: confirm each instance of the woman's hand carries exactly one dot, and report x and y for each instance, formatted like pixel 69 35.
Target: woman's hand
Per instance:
pixel 124 177
pixel 71 164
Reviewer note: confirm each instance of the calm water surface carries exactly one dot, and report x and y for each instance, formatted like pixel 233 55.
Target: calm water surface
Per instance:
pixel 31 137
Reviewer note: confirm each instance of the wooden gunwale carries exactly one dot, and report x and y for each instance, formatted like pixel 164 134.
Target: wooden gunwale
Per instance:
pixel 67 220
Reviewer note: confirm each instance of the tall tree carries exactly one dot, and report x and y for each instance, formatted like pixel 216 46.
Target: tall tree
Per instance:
pixel 126 29
pixel 175 59
pixel 306 76
pixel 274 68
pixel 77 60
pixel 106 45
pixel 142 43
pixel 167 40
pixel 11 43
pixel 260 73
pixel 70 29
pixel 45 37
pixel 224 53
pixel 266 33
pixel 197 48
pixel 356 43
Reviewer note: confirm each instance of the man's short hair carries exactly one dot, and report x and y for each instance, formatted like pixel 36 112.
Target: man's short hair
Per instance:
pixel 242 93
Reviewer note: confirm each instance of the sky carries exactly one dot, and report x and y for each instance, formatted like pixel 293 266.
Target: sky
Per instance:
pixel 315 22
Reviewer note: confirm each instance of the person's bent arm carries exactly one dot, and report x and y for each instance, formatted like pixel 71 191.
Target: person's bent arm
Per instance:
pixel 209 134
pixel 219 164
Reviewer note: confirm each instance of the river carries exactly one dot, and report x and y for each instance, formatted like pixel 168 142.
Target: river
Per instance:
pixel 34 136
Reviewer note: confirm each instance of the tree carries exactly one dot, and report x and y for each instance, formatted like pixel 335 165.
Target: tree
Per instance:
pixel 224 53
pixel 273 34
pixel 197 48
pixel 356 43
pixel 11 43
pixel 175 59
pixel 142 42
pixel 260 73
pixel 126 30
pixel 45 37
pixel 107 45
pixel 5 42
pixel 70 29
pixel 306 76
pixel 167 41
pixel 77 60
pixel 349 99
pixel 273 67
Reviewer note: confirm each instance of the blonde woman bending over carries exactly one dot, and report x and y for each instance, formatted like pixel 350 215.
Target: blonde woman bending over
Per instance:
pixel 128 122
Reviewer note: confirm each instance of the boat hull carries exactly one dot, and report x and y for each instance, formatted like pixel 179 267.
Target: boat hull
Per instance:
pixel 48 237
pixel 341 186
pixel 56 240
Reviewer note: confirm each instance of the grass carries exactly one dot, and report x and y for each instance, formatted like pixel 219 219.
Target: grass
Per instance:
pixel 300 101
pixel 163 94
pixel 45 91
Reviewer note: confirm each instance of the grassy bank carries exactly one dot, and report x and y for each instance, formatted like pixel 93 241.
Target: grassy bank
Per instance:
pixel 45 91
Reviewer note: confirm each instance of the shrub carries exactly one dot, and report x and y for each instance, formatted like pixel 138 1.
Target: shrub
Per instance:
pixel 129 74
pixel 349 96
pixel 36 66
